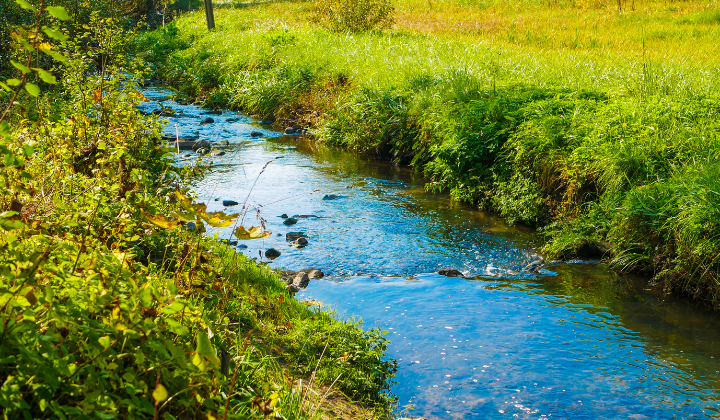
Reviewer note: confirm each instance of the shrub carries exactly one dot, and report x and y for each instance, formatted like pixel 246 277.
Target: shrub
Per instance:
pixel 355 15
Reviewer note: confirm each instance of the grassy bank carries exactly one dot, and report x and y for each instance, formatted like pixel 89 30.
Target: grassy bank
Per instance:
pixel 111 305
pixel 609 144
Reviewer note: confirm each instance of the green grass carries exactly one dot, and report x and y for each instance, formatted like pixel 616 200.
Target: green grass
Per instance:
pixel 577 141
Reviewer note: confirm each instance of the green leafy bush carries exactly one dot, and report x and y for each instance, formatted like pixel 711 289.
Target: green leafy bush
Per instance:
pixel 355 15
pixel 109 306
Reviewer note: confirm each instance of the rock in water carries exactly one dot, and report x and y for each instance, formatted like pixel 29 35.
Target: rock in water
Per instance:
pixel 284 216
pixel 202 144
pixel 211 113
pixel 316 274
pixel 208 120
pixel 302 279
pixel 230 203
pixel 289 130
pixel 272 253
pixel 292 236
pixel 301 242
pixel 217 153
pixel 293 288
pixel 255 134
pixel 290 221
pixel 449 272
pixel 332 197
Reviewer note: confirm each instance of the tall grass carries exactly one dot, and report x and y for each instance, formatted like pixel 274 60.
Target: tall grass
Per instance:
pixel 576 139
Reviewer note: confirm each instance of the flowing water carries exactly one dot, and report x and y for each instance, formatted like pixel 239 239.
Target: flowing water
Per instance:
pixel 574 340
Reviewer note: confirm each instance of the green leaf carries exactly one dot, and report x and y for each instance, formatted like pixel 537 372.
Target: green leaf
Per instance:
pixel 160 394
pixel 20 67
pixel 55 33
pixel 104 341
pixel 26 45
pixel 205 348
pixel 176 327
pixel 6 87
pixel 56 55
pixel 11 224
pixel 32 89
pixel 174 308
pixel 26 5
pixel 28 150
pixel 46 76
pixel 58 12
pixel 14 82
pixel 4 129
pixel 177 353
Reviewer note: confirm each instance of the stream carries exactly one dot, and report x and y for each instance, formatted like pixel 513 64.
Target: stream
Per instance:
pixel 572 340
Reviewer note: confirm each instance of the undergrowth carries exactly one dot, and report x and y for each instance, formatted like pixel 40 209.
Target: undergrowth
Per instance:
pixel 110 305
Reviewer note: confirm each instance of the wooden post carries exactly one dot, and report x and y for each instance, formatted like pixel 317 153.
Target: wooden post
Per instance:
pixel 209 16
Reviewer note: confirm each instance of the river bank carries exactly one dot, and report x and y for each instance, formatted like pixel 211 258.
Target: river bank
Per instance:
pixel 612 157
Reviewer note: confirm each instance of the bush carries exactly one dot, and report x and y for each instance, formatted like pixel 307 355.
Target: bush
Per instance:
pixel 355 15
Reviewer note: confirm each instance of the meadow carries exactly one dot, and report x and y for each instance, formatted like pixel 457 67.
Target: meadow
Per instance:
pixel 596 122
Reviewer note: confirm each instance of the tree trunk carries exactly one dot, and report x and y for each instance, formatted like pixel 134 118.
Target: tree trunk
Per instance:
pixel 209 16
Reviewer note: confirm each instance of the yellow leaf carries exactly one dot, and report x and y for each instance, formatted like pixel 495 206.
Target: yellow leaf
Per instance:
pixel 211 417
pixel 160 394
pixel 139 96
pixel 160 220
pixel 220 221
pixel 116 312
pixel 97 96
pixel 199 361
pixel 252 233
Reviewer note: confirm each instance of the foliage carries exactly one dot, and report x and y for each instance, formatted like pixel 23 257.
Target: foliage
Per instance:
pixel 109 306
pixel 355 15
pixel 519 199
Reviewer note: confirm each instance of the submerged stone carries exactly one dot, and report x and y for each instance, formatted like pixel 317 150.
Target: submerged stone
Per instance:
pixel 202 144
pixel 301 279
pixel 272 253
pixel 449 272
pixel 292 236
